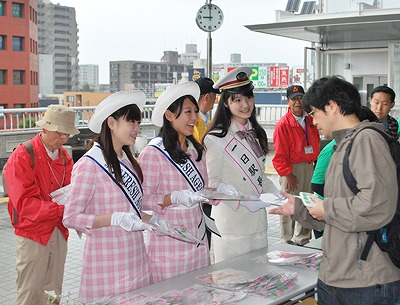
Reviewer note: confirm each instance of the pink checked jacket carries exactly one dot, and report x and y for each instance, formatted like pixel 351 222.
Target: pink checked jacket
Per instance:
pixel 170 257
pixel 114 261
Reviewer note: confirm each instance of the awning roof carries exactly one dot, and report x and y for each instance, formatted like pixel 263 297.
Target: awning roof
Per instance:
pixel 336 29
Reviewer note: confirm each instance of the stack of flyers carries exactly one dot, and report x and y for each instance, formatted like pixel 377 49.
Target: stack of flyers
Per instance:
pixel 211 193
pixel 228 278
pixel 196 294
pixel 177 231
pixel 60 196
pixel 304 260
pixel 270 285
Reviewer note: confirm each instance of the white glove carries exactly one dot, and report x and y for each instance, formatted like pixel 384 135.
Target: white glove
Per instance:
pixel 254 206
pixel 187 198
pixel 159 225
pixel 227 189
pixel 129 222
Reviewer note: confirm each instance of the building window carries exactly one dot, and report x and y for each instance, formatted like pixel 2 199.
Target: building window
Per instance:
pixel 70 99
pixel 17 43
pixel 2 8
pixel 2 42
pixel 3 77
pixel 18 77
pixel 17 9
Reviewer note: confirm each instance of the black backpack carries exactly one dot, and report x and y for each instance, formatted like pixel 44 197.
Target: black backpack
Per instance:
pixel 387 237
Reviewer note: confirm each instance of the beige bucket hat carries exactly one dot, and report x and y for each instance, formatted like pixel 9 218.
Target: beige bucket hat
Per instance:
pixel 59 118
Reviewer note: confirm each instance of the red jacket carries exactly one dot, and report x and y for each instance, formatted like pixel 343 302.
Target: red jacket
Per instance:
pixel 32 212
pixel 290 141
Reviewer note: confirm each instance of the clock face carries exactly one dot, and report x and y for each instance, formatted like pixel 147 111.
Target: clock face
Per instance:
pixel 209 17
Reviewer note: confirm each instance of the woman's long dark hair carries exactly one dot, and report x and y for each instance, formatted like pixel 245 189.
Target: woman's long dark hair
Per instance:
pixel 223 119
pixel 170 136
pixel 131 113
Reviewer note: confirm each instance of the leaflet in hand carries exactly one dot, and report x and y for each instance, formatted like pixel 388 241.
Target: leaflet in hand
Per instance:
pixel 307 200
pixel 212 194
pixel 176 231
pixel 60 196
pixel 274 198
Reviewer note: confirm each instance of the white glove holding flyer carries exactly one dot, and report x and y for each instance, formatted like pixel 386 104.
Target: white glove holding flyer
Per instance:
pixel 227 189
pixel 129 222
pixel 187 198
pixel 265 200
pixel 254 205
pixel 160 225
pixel 274 198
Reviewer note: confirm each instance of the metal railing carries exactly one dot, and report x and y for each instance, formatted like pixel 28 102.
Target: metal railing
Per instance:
pixel 23 119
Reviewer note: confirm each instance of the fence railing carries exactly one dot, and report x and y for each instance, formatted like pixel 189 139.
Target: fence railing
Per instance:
pixel 21 119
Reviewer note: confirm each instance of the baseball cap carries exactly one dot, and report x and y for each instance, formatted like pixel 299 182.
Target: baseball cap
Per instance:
pixel 293 91
pixel 206 85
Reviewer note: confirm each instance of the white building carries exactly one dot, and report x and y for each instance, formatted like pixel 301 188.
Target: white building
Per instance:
pixel 89 75
pixel 58 36
pixel 46 72
pixel 358 40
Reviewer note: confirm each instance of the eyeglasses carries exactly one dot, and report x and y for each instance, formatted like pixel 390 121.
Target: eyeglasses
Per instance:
pixel 312 113
pixel 63 135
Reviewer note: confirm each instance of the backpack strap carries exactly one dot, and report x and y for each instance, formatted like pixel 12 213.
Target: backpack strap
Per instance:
pixel 352 184
pixel 29 148
pixel 348 176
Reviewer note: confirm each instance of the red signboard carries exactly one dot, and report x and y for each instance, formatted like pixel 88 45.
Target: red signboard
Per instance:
pixel 274 76
pixel 279 76
pixel 283 76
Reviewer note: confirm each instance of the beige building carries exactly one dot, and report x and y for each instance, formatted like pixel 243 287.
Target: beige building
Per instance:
pixel 83 99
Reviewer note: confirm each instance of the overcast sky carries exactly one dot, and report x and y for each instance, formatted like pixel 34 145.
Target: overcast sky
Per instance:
pixel 142 30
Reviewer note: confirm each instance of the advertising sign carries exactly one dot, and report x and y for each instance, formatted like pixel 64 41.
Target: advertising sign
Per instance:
pixel 283 76
pixel 298 75
pixel 274 76
pixel 196 73
pixel 259 77
pixel 279 76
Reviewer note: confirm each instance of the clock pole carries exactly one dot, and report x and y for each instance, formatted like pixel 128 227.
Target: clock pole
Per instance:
pixel 209 50
pixel 209 55
pixel 209 18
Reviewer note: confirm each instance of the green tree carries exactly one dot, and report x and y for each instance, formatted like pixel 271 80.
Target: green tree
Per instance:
pixel 27 123
pixel 86 88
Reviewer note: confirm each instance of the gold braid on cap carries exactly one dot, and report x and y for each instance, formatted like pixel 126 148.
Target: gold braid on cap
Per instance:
pixel 242 79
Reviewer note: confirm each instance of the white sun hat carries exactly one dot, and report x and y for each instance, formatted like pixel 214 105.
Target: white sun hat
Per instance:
pixel 171 95
pixel 113 103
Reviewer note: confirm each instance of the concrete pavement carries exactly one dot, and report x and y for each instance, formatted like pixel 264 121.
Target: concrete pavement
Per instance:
pixel 75 250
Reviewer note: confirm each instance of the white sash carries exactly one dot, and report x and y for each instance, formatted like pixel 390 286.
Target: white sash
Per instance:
pixel 131 186
pixel 196 182
pixel 243 158
pixel 188 169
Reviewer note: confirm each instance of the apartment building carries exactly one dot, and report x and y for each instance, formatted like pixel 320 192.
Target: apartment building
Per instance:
pixel 18 54
pixel 89 75
pixel 58 37
pixel 144 75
